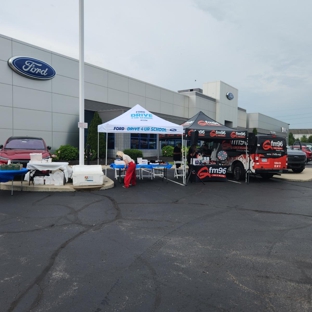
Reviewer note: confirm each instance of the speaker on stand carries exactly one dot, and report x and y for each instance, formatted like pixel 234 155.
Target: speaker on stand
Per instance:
pixel 193 140
pixel 194 137
pixel 250 144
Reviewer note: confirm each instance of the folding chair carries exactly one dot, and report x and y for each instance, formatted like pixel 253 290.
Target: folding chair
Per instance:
pixel 178 172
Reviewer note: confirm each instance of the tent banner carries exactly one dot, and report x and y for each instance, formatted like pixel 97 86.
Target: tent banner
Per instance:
pixel 219 134
pixel 140 129
pixel 208 129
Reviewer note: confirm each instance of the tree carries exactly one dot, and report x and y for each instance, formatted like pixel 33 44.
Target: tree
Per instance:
pixel 92 139
pixel 255 131
pixel 310 139
pixel 291 139
pixel 304 139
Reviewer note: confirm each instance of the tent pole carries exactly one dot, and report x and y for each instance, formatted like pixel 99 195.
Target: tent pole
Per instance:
pixel 158 147
pixel 106 156
pixel 98 149
pixel 183 164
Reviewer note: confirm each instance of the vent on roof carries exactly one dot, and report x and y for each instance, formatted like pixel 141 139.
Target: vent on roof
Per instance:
pixel 199 90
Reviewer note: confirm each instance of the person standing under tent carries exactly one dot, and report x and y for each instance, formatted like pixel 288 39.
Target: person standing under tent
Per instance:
pixel 130 177
pixel 177 154
pixel 205 151
pixel 192 153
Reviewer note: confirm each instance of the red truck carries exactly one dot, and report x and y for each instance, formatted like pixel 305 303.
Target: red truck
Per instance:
pixel 303 146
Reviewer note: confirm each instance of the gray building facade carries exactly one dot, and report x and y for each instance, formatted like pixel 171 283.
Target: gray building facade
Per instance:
pixel 50 108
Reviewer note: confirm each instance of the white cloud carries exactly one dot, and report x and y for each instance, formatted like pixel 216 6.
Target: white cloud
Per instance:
pixel 260 47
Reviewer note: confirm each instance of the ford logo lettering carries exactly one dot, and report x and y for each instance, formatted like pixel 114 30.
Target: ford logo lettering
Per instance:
pixel 31 68
pixel 173 130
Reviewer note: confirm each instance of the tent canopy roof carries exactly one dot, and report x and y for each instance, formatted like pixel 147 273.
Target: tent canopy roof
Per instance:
pixel 208 129
pixel 139 120
pixel 211 129
pixel 202 121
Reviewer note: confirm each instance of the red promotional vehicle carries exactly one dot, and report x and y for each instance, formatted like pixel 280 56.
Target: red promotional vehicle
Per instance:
pixel 17 149
pixel 265 155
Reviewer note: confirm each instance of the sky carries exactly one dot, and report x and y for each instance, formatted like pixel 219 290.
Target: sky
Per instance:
pixel 262 48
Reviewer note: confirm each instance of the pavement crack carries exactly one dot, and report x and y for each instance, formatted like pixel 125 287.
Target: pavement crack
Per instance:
pixel 40 278
pixel 274 212
pixel 144 259
pixel 42 199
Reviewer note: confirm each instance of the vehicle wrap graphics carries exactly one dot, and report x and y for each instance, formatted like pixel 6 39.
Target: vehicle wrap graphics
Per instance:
pixel 267 155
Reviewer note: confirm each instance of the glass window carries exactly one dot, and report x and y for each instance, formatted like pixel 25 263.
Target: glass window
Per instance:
pixel 143 141
pixel 25 143
pixel 111 141
pixel 170 142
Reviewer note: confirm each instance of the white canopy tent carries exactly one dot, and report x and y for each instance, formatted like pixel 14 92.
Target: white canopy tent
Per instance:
pixel 139 120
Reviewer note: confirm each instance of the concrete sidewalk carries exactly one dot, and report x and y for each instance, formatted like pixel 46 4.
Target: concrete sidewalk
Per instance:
pixel 304 176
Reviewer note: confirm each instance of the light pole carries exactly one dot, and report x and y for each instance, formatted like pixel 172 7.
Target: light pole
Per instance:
pixel 81 124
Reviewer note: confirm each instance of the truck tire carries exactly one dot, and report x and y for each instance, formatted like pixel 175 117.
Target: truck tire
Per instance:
pixel 298 170
pixel 238 172
pixel 266 176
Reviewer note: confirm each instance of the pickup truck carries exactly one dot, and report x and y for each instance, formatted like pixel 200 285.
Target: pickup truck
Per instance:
pixel 296 160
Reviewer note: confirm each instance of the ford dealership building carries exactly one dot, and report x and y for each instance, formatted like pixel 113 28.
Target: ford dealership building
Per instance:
pixel 40 97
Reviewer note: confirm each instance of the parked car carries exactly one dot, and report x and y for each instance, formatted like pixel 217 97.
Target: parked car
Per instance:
pixel 17 149
pixel 309 145
pixel 296 160
pixel 304 149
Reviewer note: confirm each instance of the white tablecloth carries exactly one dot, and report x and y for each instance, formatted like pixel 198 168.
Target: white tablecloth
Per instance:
pixel 68 171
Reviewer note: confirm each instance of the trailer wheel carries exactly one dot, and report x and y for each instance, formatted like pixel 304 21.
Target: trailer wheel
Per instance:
pixel 238 172
pixel 266 176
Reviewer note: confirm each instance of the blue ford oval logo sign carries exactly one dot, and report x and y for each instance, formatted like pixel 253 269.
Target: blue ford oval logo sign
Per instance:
pixel 230 96
pixel 31 68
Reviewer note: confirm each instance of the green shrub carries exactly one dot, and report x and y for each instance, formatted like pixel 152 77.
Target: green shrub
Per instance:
pixel 92 154
pixel 291 139
pixel 92 138
pixel 133 153
pixel 167 151
pixel 66 152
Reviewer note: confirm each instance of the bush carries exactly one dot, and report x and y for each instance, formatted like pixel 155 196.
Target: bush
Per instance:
pixel 133 153
pixel 92 154
pixel 304 139
pixel 167 151
pixel 291 138
pixel 92 138
pixel 66 152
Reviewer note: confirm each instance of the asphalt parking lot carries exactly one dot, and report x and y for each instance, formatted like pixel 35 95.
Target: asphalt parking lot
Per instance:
pixel 159 246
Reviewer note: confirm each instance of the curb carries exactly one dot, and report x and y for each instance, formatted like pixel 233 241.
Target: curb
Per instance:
pixel 68 187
